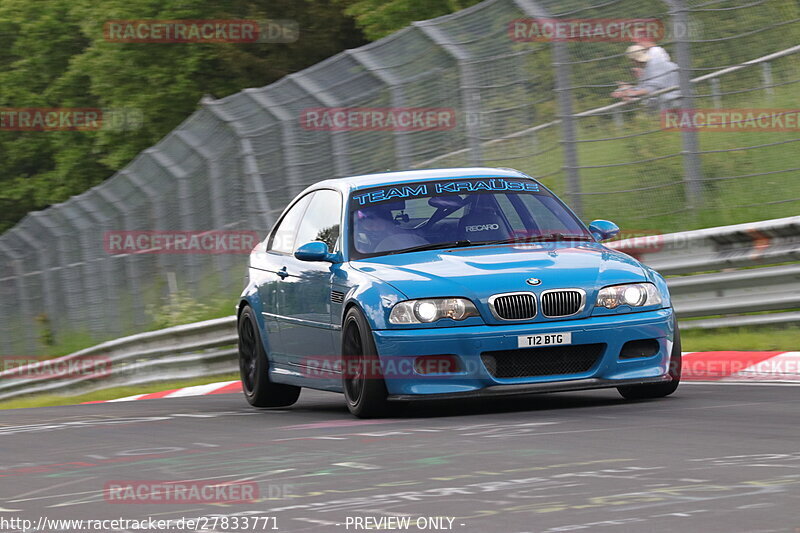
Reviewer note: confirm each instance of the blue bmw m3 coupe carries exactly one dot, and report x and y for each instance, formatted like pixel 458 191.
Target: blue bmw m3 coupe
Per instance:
pixel 446 284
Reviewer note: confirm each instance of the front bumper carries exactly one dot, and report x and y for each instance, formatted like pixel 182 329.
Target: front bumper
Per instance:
pixel 535 388
pixel 468 342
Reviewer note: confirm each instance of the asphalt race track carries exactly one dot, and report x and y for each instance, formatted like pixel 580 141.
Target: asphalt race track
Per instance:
pixel 711 458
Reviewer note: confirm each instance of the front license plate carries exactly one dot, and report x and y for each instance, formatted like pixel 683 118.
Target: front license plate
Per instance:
pixel 544 339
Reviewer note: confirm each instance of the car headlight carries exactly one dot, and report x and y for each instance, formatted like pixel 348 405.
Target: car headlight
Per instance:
pixel 632 294
pixel 431 309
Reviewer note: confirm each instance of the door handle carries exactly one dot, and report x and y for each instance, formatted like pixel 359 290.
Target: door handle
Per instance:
pixel 282 273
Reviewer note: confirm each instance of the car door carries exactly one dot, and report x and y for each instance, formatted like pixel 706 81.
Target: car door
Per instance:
pixel 307 330
pixel 269 265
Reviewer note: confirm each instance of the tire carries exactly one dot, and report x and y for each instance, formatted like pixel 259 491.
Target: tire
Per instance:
pixel 659 390
pixel 362 382
pixel 258 389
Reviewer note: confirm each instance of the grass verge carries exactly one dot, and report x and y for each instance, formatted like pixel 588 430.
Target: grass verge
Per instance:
pixel 762 339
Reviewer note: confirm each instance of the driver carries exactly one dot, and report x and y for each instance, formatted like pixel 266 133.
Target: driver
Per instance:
pixel 372 225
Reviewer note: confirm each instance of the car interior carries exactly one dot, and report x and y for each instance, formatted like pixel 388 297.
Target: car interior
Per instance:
pixel 406 223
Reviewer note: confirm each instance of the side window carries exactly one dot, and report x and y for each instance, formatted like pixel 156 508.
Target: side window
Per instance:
pixel 321 221
pixel 283 238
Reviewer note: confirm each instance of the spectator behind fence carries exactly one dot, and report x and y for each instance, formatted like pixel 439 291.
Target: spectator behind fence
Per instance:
pixel 656 74
pixel 653 50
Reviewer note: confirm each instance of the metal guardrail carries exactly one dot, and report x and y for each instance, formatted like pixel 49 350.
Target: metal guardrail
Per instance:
pixel 729 270
pixel 181 352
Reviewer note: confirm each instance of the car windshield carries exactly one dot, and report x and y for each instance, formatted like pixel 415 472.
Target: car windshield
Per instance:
pixel 461 212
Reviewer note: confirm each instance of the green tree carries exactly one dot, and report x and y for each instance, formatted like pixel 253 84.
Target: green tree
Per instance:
pixel 54 54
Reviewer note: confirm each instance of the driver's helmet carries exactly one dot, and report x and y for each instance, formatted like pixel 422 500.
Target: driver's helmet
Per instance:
pixel 375 212
pixel 372 225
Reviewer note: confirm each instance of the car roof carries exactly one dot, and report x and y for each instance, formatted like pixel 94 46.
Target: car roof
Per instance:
pixel 352 183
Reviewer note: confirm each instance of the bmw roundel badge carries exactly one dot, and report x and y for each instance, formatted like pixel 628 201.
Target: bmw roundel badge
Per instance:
pixel 533 281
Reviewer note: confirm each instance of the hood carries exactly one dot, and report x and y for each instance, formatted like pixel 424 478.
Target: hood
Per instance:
pixel 482 271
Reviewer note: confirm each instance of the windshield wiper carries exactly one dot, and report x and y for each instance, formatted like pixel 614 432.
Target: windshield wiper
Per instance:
pixel 554 237
pixel 436 246
pixel 549 237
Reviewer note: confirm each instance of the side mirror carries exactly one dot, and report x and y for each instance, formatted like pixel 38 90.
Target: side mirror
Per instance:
pixel 314 251
pixel 603 230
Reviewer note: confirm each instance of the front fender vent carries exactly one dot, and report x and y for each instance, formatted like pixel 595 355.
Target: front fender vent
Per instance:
pixel 337 297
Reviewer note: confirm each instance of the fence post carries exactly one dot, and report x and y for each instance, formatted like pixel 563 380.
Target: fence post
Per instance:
pixel 692 173
pixel 192 262
pixel 91 311
pixel 564 93
pixel 341 161
pixel 289 141
pixel 402 146
pixel 71 306
pixel 52 292
pixel 133 272
pixel 105 278
pixel 215 178
pixel 22 301
pixel 618 118
pixel 715 93
pixel 222 262
pixel 569 136
pixel 766 74
pixel 470 94
pixel 248 161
